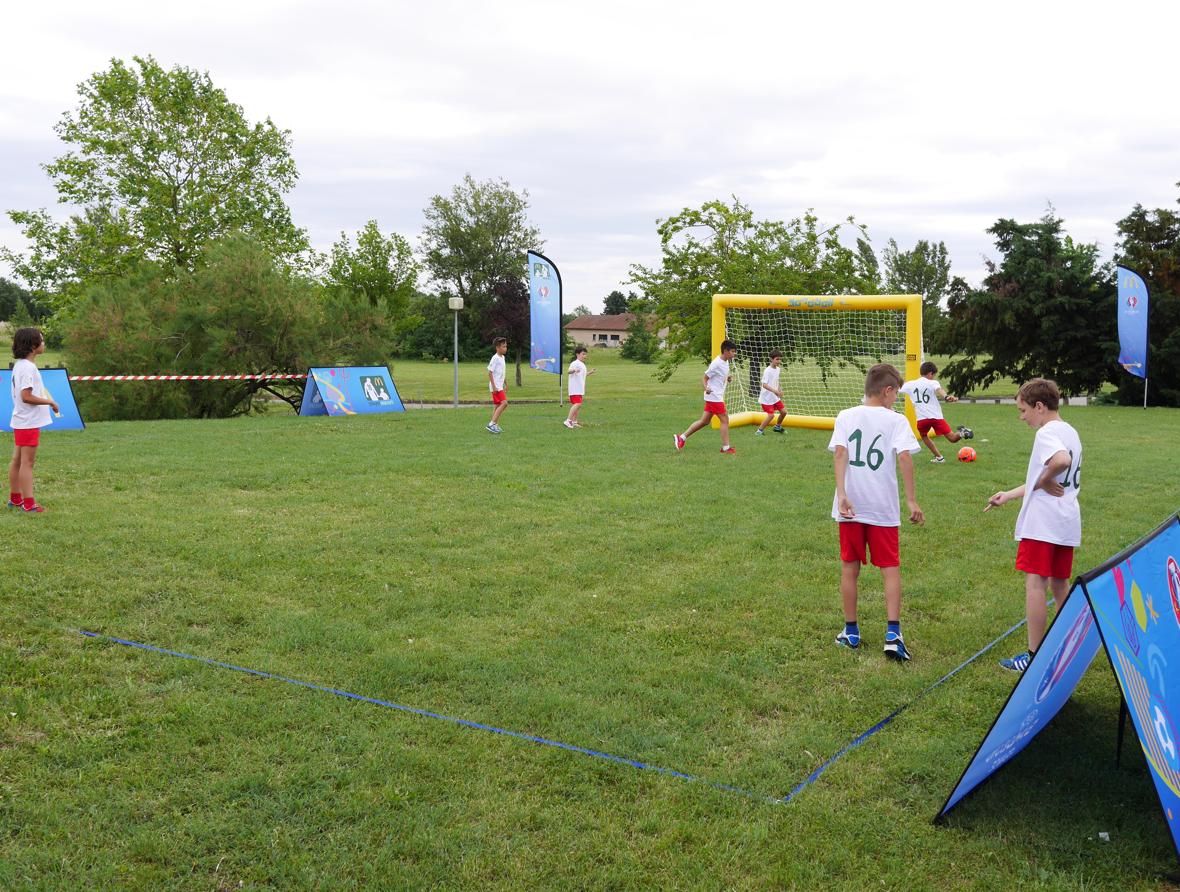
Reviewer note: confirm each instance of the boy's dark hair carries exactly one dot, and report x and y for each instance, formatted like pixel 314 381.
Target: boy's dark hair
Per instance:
pixel 776 354
pixel 581 348
pixel 1040 390
pixel 25 341
pixel 881 376
pixel 496 342
pixel 927 368
pixel 728 345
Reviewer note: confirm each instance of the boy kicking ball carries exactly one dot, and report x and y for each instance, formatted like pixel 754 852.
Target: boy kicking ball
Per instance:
pixel 924 393
pixel 771 396
pixel 716 377
pixel 869 442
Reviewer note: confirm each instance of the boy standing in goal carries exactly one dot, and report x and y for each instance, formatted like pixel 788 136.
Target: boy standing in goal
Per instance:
pixel 771 396
pixel 1049 525
pixel 869 441
pixel 716 377
pixel 924 393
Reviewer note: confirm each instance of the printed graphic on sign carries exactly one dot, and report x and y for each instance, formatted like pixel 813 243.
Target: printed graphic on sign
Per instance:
pixel 350 391
pixel 544 314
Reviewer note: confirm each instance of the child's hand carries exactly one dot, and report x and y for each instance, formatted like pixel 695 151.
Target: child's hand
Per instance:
pixel 995 501
pixel 951 399
pixel 916 515
pixel 1054 488
pixel 57 411
pixel 845 508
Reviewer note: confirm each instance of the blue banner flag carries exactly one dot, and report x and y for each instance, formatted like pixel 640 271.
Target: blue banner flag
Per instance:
pixel 351 390
pixel 1136 602
pixel 55 386
pixel 544 314
pixel 1133 303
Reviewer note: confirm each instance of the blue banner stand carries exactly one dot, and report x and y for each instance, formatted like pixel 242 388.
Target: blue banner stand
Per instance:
pixel 350 390
pixel 1129 607
pixel 57 388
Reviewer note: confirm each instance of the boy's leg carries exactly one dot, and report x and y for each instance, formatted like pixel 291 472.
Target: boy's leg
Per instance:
pixel 14 490
pixel 573 414
pixel 1035 608
pixel 498 411
pixel 24 477
pixel 930 445
pixel 696 425
pixel 781 417
pixel 724 419
pixel 892 577
pixel 766 422
pixel 952 437
pixel 849 572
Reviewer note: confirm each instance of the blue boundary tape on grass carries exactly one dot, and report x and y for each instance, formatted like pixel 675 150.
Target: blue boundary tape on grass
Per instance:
pixel 861 738
pixel 479 726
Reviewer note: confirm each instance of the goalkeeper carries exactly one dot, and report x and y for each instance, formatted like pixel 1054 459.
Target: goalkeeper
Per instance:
pixel 771 395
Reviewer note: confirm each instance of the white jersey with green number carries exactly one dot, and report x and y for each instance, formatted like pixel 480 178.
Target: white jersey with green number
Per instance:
pixel 873 435
pixel 923 393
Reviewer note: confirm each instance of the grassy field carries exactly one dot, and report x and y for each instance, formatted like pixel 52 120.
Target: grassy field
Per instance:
pixel 592 587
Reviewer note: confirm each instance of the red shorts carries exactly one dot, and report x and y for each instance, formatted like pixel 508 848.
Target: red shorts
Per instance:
pixel 938 425
pixel 1045 558
pixel 576 399
pixel 770 410
pixel 29 436
pixel 499 396
pixel 715 408
pixel 880 541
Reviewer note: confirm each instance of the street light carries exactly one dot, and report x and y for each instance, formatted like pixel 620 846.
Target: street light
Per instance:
pixel 456 304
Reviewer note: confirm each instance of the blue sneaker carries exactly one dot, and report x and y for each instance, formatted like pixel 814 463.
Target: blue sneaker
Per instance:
pixel 12 504
pixel 895 647
pixel 1017 663
pixel 844 639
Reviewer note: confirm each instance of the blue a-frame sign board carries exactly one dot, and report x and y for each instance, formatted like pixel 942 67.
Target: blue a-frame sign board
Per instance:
pixel 57 388
pixel 350 390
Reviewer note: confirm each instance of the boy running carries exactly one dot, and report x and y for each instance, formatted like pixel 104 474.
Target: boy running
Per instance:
pixel 1049 525
pixel 30 413
pixel 496 371
pixel 865 442
pixel 924 393
pixel 578 374
pixel 716 377
pixel 771 397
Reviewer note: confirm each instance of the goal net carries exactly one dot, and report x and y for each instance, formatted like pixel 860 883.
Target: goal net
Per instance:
pixel 827 343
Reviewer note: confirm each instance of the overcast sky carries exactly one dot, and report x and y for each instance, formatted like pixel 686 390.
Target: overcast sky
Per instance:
pixel 921 120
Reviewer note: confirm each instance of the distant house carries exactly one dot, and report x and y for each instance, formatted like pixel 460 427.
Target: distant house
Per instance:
pixel 603 331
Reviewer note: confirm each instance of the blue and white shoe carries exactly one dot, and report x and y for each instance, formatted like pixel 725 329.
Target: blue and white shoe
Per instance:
pixel 966 433
pixel 895 647
pixel 12 504
pixel 845 639
pixel 1017 663
pixel 759 433
pixel 494 428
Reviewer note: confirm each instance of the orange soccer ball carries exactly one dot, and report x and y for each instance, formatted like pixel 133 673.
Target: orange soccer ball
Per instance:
pixel 967 453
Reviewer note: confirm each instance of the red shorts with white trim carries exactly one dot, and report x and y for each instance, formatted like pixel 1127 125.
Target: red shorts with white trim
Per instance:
pixel 1045 558
pixel 770 410
pixel 575 398
pixel 499 396
pixel 938 425
pixel 858 540
pixel 715 408
pixel 29 436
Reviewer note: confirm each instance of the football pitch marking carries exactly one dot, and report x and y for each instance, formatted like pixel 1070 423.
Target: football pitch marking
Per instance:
pixel 569 747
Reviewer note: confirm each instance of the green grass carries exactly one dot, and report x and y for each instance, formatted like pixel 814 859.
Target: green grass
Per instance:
pixel 592 587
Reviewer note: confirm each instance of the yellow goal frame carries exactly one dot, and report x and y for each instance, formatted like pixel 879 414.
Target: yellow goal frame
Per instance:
pixel 812 303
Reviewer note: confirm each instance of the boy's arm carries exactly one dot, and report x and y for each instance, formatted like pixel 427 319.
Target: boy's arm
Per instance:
pixel 1058 463
pixel 840 462
pixel 27 396
pixel 906 462
pixel 1004 496
pixel 943 395
pixel 492 379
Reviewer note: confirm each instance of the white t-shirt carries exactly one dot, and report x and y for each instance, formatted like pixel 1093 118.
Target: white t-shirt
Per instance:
pixel 1046 517
pixel 496 367
pixel 25 416
pixel 770 376
pixel 873 435
pixel 577 385
pixel 717 374
pixel 923 393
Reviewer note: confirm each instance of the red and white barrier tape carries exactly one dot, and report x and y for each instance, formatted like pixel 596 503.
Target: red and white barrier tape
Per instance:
pixel 276 377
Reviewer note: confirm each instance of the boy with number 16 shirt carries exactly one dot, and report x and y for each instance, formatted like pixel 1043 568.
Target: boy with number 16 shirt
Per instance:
pixel 869 442
pixel 924 393
pixel 1049 525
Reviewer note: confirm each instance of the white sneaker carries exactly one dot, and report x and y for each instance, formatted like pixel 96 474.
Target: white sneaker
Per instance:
pixel 938 461
pixel 568 424
pixel 494 428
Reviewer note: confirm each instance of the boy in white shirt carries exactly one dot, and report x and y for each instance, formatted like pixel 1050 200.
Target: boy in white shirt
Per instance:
pixel 496 371
pixel 578 373
pixel 716 377
pixel 1049 525
pixel 30 413
pixel 924 393
pixel 771 397
pixel 865 442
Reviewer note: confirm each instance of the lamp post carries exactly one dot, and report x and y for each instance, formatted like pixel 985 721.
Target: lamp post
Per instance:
pixel 456 304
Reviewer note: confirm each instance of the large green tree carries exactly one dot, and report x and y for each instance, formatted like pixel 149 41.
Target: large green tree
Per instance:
pixel 475 238
pixel 926 270
pixel 161 163
pixel 1149 243
pixel 721 248
pixel 380 268
pixel 615 303
pixel 1045 310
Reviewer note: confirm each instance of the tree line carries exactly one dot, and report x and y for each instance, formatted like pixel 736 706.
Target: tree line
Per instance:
pixel 181 255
